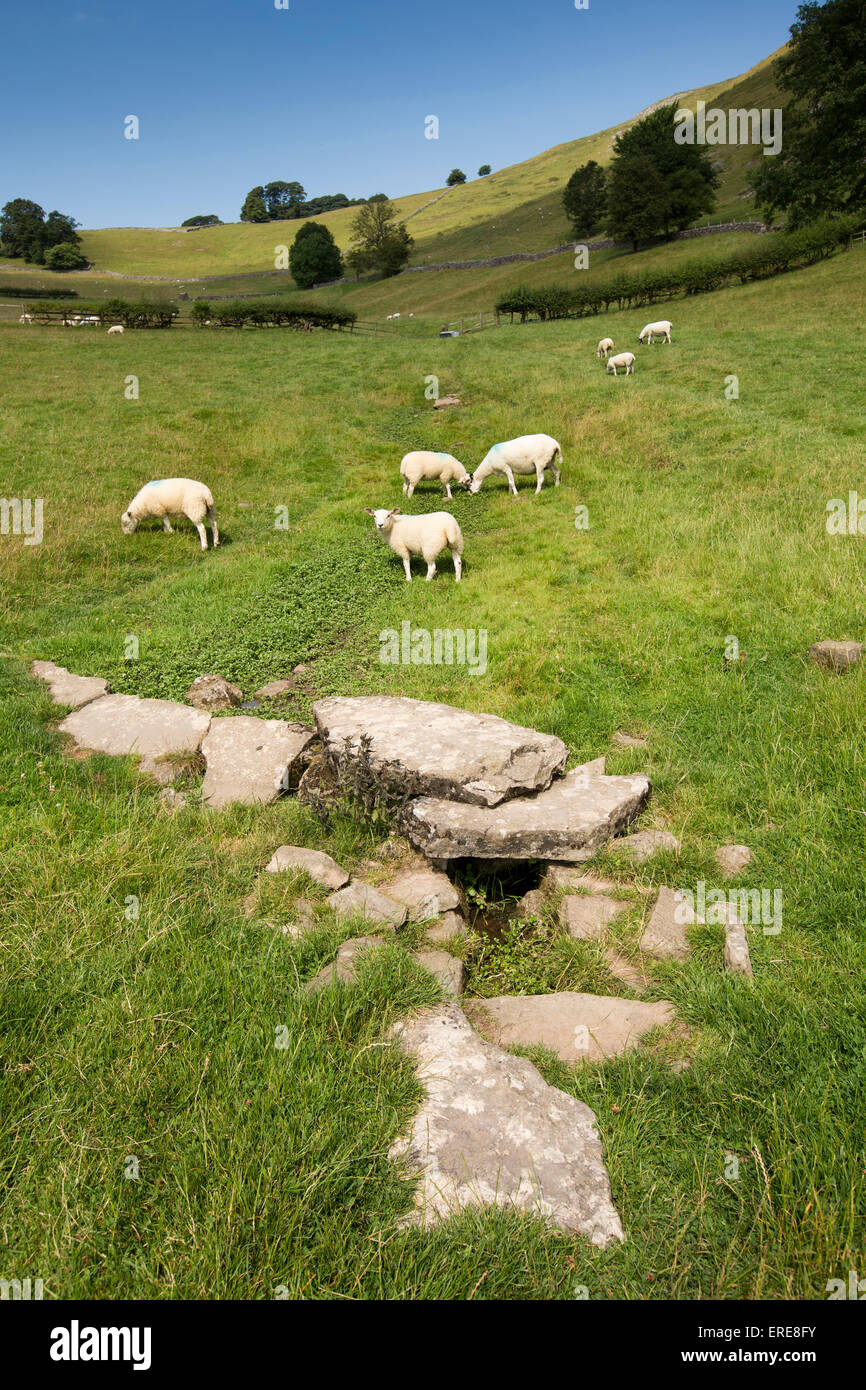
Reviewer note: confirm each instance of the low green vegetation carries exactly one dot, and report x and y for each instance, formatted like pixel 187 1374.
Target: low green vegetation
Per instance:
pixel 143 973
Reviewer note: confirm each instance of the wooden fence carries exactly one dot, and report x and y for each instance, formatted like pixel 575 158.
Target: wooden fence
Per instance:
pixel 473 323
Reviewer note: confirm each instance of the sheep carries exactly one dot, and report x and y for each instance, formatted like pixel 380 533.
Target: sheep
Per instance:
pixel 26 318
pixel 422 465
pixel 173 497
pixel 622 359
pixel 420 535
pixel 604 347
pixel 662 329
pixel 116 328
pixel 531 453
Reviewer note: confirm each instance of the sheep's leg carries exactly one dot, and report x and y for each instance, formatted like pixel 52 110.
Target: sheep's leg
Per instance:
pixel 458 564
pixel 539 476
pixel 404 556
pixel 556 473
pixel 199 526
pixel 431 569
pixel 405 488
pixel 211 516
pixel 166 525
pixel 512 486
pixel 447 492
pixel 409 489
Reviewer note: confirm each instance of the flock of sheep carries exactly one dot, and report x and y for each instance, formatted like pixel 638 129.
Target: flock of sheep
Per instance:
pixel 426 536
pixel 78 321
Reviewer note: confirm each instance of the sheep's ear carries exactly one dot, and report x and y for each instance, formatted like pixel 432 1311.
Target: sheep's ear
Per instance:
pixel 395 511
pixel 369 511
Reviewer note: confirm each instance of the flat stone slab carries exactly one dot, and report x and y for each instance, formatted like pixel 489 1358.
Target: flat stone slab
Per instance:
pixel 532 904
pixel 567 876
pixel 577 1027
pixel 836 656
pixel 250 760
pixel 67 689
pixel 646 842
pixel 569 821
pixel 733 859
pixel 586 918
pixel 343 970
pixel 665 933
pixel 361 898
pixel 314 862
pixel 447 969
pixel 621 967
pixel 425 892
pixel 492 1132
pixel 119 724
pixel 437 750
pixel 449 925
pixel 276 691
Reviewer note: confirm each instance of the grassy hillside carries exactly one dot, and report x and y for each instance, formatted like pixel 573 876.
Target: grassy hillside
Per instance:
pixel 518 208
pixel 155 1037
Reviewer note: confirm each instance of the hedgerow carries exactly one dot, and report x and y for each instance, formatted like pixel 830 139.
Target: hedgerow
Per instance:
pixel 270 313
pixel 771 255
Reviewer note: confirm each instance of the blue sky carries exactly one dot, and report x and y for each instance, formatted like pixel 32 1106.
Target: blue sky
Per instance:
pixel 334 93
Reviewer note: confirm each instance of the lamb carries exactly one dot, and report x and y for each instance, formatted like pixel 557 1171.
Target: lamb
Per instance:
pixel 173 497
pixel 531 453
pixel 662 329
pixel 420 535
pixel 422 465
pixel 116 328
pixel 604 347
pixel 622 359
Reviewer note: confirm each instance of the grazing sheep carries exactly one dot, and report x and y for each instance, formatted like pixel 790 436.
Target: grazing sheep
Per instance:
pixel 662 329
pixel 420 535
pixel 116 328
pixel 422 465
pixel 26 318
pixel 531 453
pixel 622 359
pixel 604 347
pixel 173 497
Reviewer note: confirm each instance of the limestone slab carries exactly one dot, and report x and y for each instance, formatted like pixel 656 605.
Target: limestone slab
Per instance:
pixel 586 918
pixel 733 859
pixel 363 899
pixel 314 862
pixel 449 925
pixel 152 729
pixel 665 933
pixel 250 760
pixel 447 969
pixel 425 892
pixel 491 1131
pixel 568 822
pixel 438 750
pixel 577 1027
pixel 343 970
pixel 67 689
pixel 647 842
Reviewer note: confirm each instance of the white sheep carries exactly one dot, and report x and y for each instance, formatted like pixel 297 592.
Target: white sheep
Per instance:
pixel 604 347
pixel 420 535
pixel 26 318
pixel 173 497
pixel 622 359
pixel 662 329
pixel 531 453
pixel 116 328
pixel 422 465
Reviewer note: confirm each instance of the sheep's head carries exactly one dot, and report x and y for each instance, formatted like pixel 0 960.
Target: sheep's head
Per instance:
pixel 474 484
pixel 128 523
pixel 383 518
pixel 466 482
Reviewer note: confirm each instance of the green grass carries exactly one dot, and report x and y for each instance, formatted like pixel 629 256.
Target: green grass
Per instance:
pixel 263 1167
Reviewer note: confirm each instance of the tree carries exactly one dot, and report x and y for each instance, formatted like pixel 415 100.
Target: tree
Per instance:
pixel 378 237
pixel 585 198
pixel 637 200
pixel 283 199
pixel 484 171
pixel 456 176
pixel 208 219
pixel 25 230
pixel 820 168
pixel 254 208
pixel 59 228
pixel 65 256
pixel 686 170
pixel 314 256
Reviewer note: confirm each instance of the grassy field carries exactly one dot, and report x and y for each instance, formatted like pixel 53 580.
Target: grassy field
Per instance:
pixel 261 1168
